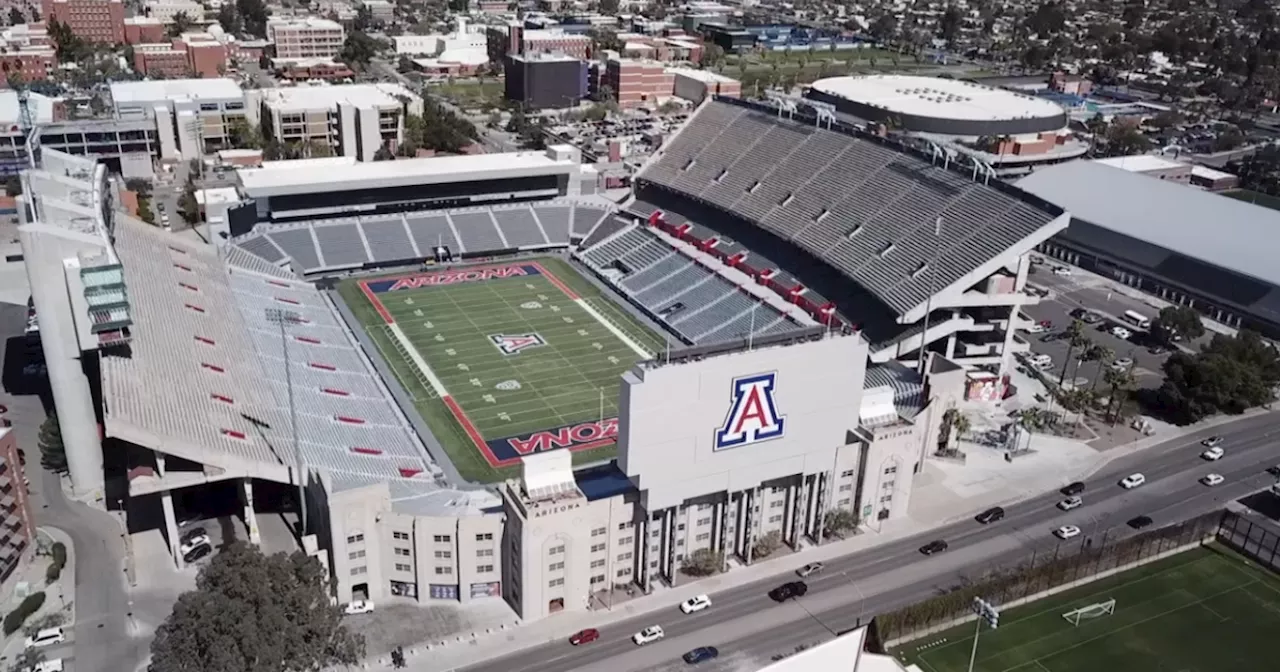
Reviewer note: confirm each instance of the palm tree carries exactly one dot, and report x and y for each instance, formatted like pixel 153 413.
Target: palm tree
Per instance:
pixel 1120 382
pixel 1103 356
pixel 1076 338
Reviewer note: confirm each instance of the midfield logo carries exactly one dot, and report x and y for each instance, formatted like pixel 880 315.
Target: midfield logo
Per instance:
pixel 753 414
pixel 514 345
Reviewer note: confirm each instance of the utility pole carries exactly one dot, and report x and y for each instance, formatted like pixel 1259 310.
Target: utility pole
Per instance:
pixel 988 613
pixel 284 317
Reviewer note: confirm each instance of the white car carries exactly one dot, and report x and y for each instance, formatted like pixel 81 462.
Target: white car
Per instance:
pixel 1121 333
pixel 1067 532
pixel 1062 270
pixel 54 665
pixel 1213 454
pixel 358 607
pixel 1122 364
pixel 1212 480
pixel 1035 328
pixel 650 634
pixel 1070 503
pixel 194 543
pixel 46 637
pixel 1132 481
pixel 695 604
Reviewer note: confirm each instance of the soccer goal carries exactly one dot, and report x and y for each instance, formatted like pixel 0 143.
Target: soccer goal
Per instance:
pixel 1091 611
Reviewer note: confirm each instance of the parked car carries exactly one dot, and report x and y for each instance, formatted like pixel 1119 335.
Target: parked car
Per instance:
pixel 1067 532
pixel 809 569
pixel 1073 489
pixel 935 546
pixel 358 607
pixel 1035 328
pixel 1132 481
pixel 197 553
pixel 991 515
pixel 584 636
pixel 695 604
pixel 196 542
pixel 701 654
pixel 46 637
pixel 1122 364
pixel 1140 522
pixel 1121 333
pixel 54 665
pixel 1070 503
pixel 1062 271
pixel 650 634
pixel 1213 454
pixel 1212 442
pixel 1090 317
pixel 1274 471
pixel 1212 479
pixel 790 590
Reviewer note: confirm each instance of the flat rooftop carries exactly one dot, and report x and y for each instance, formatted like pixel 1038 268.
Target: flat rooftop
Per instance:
pixel 1141 163
pixel 175 89
pixel 701 75
pixel 939 98
pixel 326 97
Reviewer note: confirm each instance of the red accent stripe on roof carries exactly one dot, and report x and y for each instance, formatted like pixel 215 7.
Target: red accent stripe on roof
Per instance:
pixel 179 250
pixel 292 302
pixel 196 308
pixel 223 398
pixel 409 472
pixel 206 341
pixel 349 420
pixel 185 268
pixel 365 451
pixel 308 339
pixel 335 392
pixel 188 286
pixel 278 283
pixel 213 368
pixel 323 367
pixel 233 434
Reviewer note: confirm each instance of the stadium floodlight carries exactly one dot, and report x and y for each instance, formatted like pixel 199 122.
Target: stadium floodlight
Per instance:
pixel 285 317
pixel 987 613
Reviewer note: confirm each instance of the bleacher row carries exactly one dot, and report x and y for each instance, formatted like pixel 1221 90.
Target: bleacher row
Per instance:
pixel 865 207
pixel 337 244
pixel 694 301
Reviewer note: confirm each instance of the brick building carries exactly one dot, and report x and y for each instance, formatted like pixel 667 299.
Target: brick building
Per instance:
pixel 17 523
pixel 95 21
pixel 515 39
pixel 143 30
pixel 636 83
pixel 191 55
pixel 32 63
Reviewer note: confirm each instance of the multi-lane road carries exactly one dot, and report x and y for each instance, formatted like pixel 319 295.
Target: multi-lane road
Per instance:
pixel 749 628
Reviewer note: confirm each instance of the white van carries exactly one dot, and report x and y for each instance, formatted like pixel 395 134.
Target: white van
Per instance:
pixel 1040 361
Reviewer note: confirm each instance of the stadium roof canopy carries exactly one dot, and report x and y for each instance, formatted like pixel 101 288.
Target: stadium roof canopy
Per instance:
pixel 1227 233
pixel 902 227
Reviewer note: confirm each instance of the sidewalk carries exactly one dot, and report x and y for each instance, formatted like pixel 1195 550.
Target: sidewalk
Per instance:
pixel 478 647
pixel 59 597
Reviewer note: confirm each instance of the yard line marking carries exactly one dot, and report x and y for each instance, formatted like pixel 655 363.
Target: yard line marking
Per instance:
pixel 1041 665
pixel 417 359
pixel 639 349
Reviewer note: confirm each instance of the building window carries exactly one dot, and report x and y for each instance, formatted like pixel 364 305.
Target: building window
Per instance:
pixel 597 564
pixel 444 570
pixel 484 569
pixel 704 521
pixel 680 527
pixel 355 555
pixel 555 582
pixel 702 537
pixel 775 504
pixel 623 526
pixel 624 556
pixel 599 578
pixel 405 552
pixel 843 502
pixel 598 531
pixel 357 571
pixel 891 470
pixel 887 498
pixel 846 487
pixel 846 473
pixel 624 572
pixel 596 548
pixel 484 553
pixel 555 566
pixel 487 536
pixel 624 540
pixel 888 485
pixel 443 539
pixel 775 519
pixel 355 538
pixel 402 536
pixel 401 567
pixel 557 550
pixel 443 555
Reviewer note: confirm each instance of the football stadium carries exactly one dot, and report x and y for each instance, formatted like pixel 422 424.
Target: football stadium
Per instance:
pixel 492 359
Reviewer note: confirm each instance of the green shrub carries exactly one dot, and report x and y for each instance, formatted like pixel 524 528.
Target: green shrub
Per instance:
pixel 14 620
pixel 59 553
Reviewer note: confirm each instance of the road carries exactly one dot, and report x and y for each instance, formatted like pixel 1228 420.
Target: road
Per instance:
pixel 749 628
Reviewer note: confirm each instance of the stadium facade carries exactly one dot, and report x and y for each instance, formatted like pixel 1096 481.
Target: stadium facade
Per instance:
pixel 782 405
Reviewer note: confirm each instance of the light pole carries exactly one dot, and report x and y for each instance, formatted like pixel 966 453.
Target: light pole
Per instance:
pixel 284 317
pixel 986 612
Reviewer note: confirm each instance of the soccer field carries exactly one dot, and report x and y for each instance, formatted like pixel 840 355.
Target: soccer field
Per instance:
pixel 1205 610
pixel 507 359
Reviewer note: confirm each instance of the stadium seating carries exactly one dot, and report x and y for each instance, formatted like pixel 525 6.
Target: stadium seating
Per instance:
pixel 865 205
pixel 355 242
pixel 694 301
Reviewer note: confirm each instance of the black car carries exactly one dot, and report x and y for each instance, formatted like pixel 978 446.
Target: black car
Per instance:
pixel 991 515
pixel 1140 522
pixel 700 654
pixel 1274 471
pixel 196 553
pixel 188 535
pixel 936 546
pixel 1073 489
pixel 788 591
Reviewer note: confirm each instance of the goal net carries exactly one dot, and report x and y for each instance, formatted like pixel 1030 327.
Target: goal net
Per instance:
pixel 1091 611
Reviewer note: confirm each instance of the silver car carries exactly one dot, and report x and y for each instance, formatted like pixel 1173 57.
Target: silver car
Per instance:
pixel 809 569
pixel 1070 503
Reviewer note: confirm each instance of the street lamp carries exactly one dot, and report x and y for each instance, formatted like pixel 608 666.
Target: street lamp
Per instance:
pixel 986 612
pixel 285 317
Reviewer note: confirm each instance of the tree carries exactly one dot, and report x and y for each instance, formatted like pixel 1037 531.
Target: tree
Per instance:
pixel 70 48
pixel 1075 338
pixel 1126 140
pixel 255 612
pixel 1176 322
pixel 702 562
pixel 359 49
pixel 1103 356
pixel 1048 19
pixel 767 544
pixel 243 135
pixel 1229 375
pixel 253 17
pixel 53 454
pixel 949 24
pixel 883 28
pixel 188 206
pixel 840 520
pixel 13 185
pixel 16 17
pixel 318 149
pixel 138 186
pixel 181 24
pixel 1120 383
pixel 712 55
pixel 384 154
pixel 608 6
pixel 230 19
pixel 404 65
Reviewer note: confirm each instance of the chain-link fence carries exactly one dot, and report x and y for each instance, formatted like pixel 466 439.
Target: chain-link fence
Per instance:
pixel 1041 571
pixel 1253 539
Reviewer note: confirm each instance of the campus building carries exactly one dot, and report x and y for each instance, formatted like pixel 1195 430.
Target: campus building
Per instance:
pixel 306 38
pixel 355 120
pixel 94 21
pixel 17 523
pixel 192 116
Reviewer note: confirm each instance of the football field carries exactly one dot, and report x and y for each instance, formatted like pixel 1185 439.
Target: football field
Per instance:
pixel 506 360
pixel 1204 610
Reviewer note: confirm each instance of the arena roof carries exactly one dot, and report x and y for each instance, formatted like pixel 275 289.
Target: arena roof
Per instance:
pixel 868 207
pixel 935 97
pixel 1222 231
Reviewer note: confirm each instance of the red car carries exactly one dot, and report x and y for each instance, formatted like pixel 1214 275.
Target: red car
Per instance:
pixel 585 637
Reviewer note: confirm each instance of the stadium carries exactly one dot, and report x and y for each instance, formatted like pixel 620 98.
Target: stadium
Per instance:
pixel 482 395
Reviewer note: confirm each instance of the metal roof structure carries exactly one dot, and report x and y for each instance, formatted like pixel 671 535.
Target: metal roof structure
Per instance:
pixel 936 97
pixel 868 207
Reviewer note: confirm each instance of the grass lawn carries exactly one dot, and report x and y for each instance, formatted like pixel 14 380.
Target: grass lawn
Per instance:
pixel 1206 610
pixel 469 93
pixel 564 369
pixel 1254 197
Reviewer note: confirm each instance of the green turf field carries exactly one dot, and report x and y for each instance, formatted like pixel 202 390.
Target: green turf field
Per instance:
pixel 567 376
pixel 1205 610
